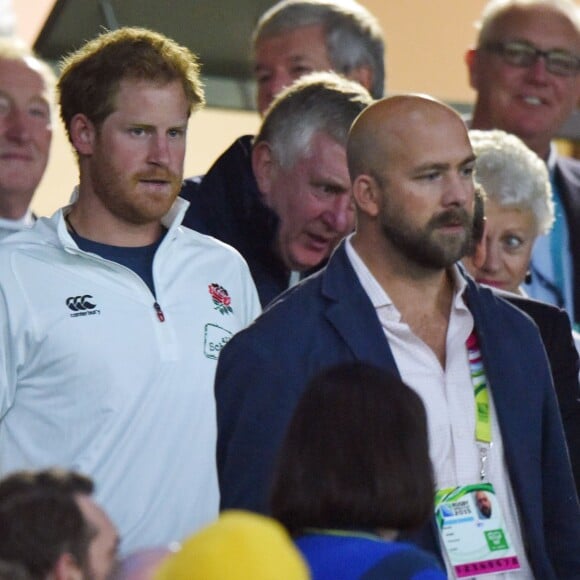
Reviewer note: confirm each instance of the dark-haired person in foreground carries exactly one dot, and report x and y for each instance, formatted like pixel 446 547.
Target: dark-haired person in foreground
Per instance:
pixel 51 527
pixel 392 295
pixel 353 472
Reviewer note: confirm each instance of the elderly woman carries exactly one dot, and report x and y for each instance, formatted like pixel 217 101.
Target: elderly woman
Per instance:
pixel 518 208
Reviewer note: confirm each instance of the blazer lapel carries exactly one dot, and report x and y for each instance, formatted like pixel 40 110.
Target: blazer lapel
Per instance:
pixel 352 314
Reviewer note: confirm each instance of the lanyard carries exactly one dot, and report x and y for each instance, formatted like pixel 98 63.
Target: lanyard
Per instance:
pixel 482 406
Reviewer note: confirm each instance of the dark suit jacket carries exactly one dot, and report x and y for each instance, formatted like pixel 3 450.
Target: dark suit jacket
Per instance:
pixel 554 326
pixel 567 176
pixel 329 319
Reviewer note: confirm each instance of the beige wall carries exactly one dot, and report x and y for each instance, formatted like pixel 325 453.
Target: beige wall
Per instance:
pixel 426 40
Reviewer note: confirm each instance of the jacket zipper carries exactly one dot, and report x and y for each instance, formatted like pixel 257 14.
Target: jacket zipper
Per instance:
pixel 160 314
pixel 156 304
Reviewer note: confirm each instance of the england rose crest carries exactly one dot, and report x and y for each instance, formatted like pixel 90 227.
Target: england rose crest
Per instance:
pixel 220 298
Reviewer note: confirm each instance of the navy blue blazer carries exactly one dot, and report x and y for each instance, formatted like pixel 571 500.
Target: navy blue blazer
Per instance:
pixel 329 319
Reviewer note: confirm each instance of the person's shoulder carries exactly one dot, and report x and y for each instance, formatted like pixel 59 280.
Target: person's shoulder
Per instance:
pixel 217 199
pixel 42 233
pixel 241 148
pixel 213 250
pixel 492 299
pixel 236 156
pixel 498 311
pixel 535 308
pixel 23 252
pixel 406 562
pixel 234 163
pixel 291 318
pixel 190 187
pixel 304 297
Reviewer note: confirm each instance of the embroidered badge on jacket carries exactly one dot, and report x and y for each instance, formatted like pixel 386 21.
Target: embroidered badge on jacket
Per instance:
pixel 220 298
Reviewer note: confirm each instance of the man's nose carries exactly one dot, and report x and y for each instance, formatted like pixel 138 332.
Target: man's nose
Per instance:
pixel 17 125
pixel 159 150
pixel 492 261
pixel 279 79
pixel 340 216
pixel 459 190
pixel 537 72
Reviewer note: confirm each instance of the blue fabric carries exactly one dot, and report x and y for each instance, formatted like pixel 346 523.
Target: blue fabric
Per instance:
pixel 551 261
pixel 331 557
pixel 565 176
pixel 559 242
pixel 139 259
pixel 329 319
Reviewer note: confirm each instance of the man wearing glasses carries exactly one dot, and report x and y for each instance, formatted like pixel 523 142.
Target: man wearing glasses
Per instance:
pixel 525 70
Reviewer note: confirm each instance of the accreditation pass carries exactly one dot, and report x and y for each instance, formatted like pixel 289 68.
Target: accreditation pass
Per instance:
pixel 472 529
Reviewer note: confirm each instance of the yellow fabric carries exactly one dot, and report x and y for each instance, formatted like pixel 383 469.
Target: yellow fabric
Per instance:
pixel 238 546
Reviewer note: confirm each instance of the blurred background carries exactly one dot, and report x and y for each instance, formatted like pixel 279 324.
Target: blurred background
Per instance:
pixel 426 42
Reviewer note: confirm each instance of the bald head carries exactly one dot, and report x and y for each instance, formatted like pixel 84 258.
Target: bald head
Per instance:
pixel 394 123
pixel 411 165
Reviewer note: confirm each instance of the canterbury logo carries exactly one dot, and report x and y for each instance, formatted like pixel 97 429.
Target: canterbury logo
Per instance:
pixel 80 303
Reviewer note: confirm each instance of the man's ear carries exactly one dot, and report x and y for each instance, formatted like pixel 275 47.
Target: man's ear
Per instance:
pixel 367 195
pixel 82 134
pixel 472 62
pixel 363 75
pixel 66 568
pixel 263 166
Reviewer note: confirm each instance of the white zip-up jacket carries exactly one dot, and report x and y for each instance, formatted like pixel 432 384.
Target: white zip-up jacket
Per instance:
pixel 100 376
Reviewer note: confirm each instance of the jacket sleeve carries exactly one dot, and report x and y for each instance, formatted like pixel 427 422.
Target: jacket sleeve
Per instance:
pixel 560 502
pixel 255 396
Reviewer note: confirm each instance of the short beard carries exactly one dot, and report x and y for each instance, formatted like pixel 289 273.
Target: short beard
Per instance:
pixel 422 246
pixel 485 511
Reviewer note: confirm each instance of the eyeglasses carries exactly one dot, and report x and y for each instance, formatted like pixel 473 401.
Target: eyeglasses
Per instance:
pixel 522 54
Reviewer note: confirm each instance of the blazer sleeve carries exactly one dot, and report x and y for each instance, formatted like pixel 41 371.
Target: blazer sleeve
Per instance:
pixel 255 395
pixel 560 502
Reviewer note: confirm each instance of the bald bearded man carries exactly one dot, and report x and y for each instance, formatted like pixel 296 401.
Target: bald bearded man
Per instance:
pixel 392 296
